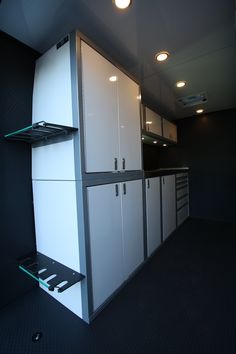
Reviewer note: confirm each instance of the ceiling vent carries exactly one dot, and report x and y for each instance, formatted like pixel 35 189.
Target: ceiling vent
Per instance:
pixel 192 100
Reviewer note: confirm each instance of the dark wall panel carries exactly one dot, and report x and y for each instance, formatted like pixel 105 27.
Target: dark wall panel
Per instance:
pixel 207 144
pixel 17 63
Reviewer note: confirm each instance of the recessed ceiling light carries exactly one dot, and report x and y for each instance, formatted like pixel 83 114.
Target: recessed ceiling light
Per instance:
pixel 139 97
pixel 122 4
pixel 154 142
pixel 162 56
pixel 199 111
pixel 180 83
pixel 113 78
pixel 142 138
pixel 164 145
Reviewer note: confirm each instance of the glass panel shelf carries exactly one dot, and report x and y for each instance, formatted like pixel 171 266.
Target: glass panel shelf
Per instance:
pixel 40 267
pixel 39 131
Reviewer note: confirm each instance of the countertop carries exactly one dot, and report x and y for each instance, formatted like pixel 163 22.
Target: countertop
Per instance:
pixel 165 171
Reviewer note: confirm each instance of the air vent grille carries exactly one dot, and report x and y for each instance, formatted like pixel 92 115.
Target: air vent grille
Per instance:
pixel 192 100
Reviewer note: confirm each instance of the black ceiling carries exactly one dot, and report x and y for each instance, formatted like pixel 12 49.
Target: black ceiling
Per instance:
pixel 199 35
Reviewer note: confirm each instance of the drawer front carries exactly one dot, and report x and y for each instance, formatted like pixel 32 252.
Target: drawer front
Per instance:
pixel 181 184
pixel 182 202
pixel 182 215
pixel 181 192
pixel 181 175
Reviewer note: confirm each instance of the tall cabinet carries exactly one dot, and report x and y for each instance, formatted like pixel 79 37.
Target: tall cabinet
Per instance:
pixel 87 187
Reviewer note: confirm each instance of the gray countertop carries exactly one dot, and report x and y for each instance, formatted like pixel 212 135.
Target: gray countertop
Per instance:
pixel 165 171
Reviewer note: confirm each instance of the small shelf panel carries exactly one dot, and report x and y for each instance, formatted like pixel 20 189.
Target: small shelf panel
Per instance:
pixel 39 131
pixel 41 267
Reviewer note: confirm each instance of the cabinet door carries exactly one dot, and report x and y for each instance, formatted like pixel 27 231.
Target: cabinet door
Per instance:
pixel 169 130
pixel 129 123
pixel 153 212
pixel 132 213
pixel 105 228
pixel 168 205
pixel 100 111
pixel 153 122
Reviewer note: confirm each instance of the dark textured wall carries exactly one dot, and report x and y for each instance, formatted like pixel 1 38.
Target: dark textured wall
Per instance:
pixel 17 238
pixel 207 144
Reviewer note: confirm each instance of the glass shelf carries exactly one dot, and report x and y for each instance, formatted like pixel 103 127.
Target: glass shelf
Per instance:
pixel 40 267
pixel 39 131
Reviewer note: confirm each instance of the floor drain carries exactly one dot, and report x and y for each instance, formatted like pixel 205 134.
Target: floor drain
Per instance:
pixel 37 336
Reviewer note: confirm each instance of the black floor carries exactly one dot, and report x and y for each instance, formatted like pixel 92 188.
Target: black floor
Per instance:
pixel 182 301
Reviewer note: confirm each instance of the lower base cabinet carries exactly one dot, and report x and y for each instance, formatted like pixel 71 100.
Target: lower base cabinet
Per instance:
pixel 115 213
pixel 153 213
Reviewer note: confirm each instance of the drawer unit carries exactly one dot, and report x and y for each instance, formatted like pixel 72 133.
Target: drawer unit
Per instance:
pixel 181 202
pixel 181 192
pixel 182 197
pixel 182 214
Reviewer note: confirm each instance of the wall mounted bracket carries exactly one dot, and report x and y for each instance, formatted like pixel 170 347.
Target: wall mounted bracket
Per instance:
pixel 41 267
pixel 39 131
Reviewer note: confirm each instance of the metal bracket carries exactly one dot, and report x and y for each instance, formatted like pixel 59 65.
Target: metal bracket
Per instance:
pixel 41 267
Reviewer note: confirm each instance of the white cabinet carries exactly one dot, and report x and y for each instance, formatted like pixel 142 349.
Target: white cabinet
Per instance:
pixel 169 130
pixel 153 213
pixel 153 122
pixel 83 89
pixel 106 247
pixel 112 137
pixel 116 235
pixel 129 124
pixel 168 205
pixel 132 217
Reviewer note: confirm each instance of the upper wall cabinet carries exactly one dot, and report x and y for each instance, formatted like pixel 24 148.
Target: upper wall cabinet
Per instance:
pixel 153 122
pixel 157 129
pixel 111 110
pixel 169 130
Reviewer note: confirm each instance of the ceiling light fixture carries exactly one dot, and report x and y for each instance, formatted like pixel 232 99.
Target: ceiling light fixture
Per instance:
pixel 180 83
pixel 154 142
pixel 164 145
pixel 199 111
pixel 139 97
pixel 122 4
pixel 113 78
pixel 162 56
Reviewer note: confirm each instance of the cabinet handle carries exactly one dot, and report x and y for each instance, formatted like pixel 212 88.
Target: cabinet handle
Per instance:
pixel 124 188
pixel 163 180
pixel 115 163
pixel 117 190
pixel 123 164
pixel 148 183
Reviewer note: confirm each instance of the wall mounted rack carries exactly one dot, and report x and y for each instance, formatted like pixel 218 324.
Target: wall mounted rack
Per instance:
pixel 39 131
pixel 41 267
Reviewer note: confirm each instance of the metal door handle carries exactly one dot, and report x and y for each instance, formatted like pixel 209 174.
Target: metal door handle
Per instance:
pixel 115 163
pixel 117 190
pixel 163 180
pixel 124 188
pixel 148 183
pixel 123 164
